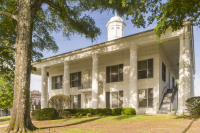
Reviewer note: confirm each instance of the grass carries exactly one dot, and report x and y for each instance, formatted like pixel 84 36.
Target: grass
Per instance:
pixel 6 118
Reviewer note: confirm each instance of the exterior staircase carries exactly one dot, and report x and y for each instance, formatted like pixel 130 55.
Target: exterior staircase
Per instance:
pixel 165 107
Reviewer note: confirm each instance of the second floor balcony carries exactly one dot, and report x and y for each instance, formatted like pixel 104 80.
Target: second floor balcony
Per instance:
pixel 87 86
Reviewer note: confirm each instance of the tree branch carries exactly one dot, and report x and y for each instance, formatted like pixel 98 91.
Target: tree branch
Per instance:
pixel 9 15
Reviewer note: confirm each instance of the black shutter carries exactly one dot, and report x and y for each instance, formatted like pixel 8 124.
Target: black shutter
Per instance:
pixel 107 99
pixel 120 99
pixel 120 72
pixel 150 97
pixel 150 68
pixel 70 80
pixel 61 83
pixel 173 82
pixel 53 84
pixel 107 74
pixel 79 101
pixel 79 78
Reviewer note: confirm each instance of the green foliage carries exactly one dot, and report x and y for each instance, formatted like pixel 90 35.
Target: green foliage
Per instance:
pixel 46 114
pixel 106 111
pixel 6 92
pixel 116 111
pixel 65 114
pixel 33 114
pixel 96 111
pixel 80 116
pixel 100 114
pixel 193 106
pixel 89 114
pixel 72 111
pixel 128 111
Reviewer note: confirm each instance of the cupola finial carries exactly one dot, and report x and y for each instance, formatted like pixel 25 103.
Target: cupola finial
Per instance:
pixel 115 13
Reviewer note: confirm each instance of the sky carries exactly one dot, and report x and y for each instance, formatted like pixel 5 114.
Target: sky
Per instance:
pixel 77 42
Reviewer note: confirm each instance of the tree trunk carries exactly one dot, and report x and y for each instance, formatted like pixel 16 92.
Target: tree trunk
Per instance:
pixel 20 118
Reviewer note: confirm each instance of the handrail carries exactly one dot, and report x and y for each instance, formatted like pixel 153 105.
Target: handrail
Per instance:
pixel 162 95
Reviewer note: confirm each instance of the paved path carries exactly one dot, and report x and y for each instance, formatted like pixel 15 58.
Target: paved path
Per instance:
pixel 4 125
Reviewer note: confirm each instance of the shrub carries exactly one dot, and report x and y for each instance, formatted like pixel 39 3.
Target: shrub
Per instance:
pixel 46 114
pixel 128 111
pixel 116 111
pixel 80 116
pixel 86 111
pixel 89 114
pixel 193 106
pixel 100 114
pixel 34 113
pixel 96 111
pixel 72 111
pixel 106 111
pixel 77 114
pixel 65 114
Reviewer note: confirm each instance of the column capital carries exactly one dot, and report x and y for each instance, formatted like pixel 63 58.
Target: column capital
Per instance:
pixel 66 62
pixel 95 55
pixel 185 35
pixel 43 67
pixel 133 46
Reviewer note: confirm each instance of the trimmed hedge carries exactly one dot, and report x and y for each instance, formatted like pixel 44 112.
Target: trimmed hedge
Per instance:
pixel 106 111
pixel 72 111
pixel 46 114
pixel 116 111
pixel 89 114
pixel 96 111
pixel 128 111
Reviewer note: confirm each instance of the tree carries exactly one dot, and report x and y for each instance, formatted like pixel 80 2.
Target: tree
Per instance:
pixel 59 102
pixel 33 22
pixel 170 13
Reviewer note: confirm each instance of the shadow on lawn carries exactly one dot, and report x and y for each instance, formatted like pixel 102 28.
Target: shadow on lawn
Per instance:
pixel 194 119
pixel 126 117
pixel 81 122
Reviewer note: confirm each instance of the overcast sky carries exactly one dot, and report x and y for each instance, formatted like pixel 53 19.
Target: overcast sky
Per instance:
pixel 77 42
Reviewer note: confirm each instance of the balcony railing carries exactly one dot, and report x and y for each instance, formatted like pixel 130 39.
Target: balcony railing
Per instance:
pixel 88 85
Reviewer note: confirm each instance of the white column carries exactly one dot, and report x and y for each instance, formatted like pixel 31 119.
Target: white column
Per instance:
pixel 66 81
pixel 184 73
pixel 133 97
pixel 44 93
pixel 95 79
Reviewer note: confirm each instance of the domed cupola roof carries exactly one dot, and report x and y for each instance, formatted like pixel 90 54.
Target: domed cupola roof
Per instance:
pixel 116 19
pixel 115 27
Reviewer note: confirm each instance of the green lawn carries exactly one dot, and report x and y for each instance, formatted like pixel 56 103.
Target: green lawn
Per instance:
pixel 6 118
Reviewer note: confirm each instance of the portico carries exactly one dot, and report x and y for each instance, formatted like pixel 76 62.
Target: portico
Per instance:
pixel 131 71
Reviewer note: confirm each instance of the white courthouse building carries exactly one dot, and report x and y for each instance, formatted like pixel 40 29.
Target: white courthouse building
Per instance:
pixel 126 71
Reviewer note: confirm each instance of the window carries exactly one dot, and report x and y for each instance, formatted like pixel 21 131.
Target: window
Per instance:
pixel 74 101
pixel 163 72
pixel 146 98
pixel 145 69
pixel 38 102
pixel 75 79
pixel 114 99
pixel 114 73
pixel 117 99
pixel 57 82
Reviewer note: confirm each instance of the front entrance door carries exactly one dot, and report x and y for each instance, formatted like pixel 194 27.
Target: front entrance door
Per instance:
pixel 88 101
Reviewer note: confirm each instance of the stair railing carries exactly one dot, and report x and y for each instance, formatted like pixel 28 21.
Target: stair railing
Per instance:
pixel 162 94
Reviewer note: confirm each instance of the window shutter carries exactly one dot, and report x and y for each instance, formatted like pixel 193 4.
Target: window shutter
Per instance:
pixel 120 99
pixel 61 83
pixel 70 80
pixel 107 99
pixel 79 101
pixel 79 78
pixel 53 84
pixel 107 74
pixel 150 68
pixel 120 72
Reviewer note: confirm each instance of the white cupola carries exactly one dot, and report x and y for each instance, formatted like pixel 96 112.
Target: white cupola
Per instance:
pixel 115 27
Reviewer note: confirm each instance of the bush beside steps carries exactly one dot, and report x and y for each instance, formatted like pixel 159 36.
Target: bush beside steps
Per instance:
pixel 51 113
